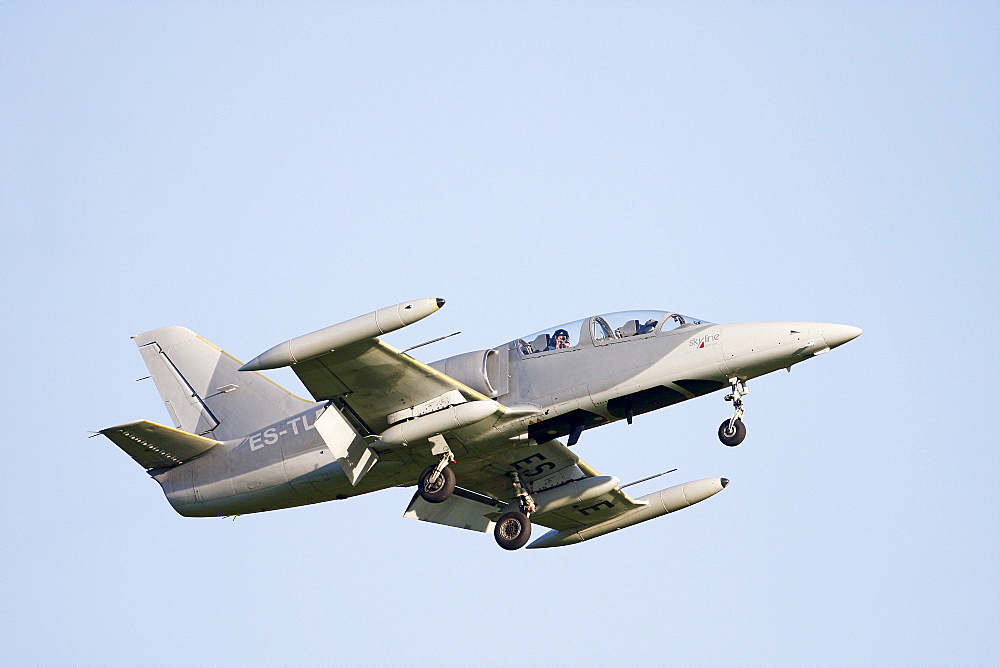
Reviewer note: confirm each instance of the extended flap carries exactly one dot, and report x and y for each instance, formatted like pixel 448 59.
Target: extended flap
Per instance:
pixel 463 509
pixel 351 451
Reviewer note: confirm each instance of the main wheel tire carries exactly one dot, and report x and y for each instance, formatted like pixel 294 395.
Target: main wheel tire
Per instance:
pixel 734 436
pixel 512 531
pixel 440 489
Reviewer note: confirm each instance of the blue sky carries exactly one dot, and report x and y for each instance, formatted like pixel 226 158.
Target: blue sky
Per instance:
pixel 258 171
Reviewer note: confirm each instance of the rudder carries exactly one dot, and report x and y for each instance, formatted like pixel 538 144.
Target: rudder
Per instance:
pixel 203 389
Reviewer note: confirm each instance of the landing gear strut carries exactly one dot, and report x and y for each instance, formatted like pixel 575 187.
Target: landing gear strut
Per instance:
pixel 732 431
pixel 513 529
pixel 438 482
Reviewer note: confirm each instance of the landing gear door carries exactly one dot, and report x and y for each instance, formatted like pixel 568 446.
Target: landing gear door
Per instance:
pixel 352 451
pixel 497 370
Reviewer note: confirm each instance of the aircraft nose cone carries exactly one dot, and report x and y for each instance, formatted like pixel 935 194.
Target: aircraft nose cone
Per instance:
pixel 838 335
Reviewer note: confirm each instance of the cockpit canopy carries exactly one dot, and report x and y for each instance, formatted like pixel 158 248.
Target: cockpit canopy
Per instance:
pixel 607 328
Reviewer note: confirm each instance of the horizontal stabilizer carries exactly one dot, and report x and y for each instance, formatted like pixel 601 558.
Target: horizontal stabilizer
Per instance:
pixel 156 446
pixel 463 509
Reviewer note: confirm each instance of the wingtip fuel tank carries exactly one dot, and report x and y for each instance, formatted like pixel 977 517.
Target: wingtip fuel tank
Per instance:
pixel 341 335
pixel 656 504
pixel 837 335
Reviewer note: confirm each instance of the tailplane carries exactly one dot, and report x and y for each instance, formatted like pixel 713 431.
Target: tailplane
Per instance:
pixel 154 446
pixel 204 391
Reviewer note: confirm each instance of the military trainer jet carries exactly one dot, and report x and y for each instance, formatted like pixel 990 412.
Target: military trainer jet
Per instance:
pixel 476 433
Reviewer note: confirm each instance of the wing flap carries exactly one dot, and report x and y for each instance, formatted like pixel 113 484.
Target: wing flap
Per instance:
pixel 463 509
pixel 156 446
pixel 350 449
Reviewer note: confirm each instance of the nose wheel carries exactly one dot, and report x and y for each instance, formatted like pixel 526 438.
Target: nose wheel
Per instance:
pixel 733 431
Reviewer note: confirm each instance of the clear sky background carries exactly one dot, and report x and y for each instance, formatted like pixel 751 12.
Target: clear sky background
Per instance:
pixel 256 172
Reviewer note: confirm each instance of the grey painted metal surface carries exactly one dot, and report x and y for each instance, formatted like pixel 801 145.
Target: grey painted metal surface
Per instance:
pixel 203 390
pixel 336 337
pixel 380 418
pixel 651 506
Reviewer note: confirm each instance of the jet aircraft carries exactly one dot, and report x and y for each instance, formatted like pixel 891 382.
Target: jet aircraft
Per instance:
pixel 477 433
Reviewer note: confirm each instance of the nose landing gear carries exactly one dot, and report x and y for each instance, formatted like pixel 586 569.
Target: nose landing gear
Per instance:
pixel 732 431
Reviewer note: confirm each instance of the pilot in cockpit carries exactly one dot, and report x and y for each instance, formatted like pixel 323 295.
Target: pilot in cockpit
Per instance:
pixel 561 340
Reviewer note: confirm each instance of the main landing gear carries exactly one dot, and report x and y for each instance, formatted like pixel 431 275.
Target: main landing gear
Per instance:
pixel 437 482
pixel 732 431
pixel 513 529
pixel 436 485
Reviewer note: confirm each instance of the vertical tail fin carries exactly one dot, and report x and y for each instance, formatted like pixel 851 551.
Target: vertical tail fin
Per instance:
pixel 203 389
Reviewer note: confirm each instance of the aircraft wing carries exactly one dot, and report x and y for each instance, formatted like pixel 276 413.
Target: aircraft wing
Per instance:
pixel 570 493
pixel 377 380
pixel 548 480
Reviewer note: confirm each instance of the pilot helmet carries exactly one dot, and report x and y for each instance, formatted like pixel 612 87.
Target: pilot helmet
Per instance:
pixel 561 332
